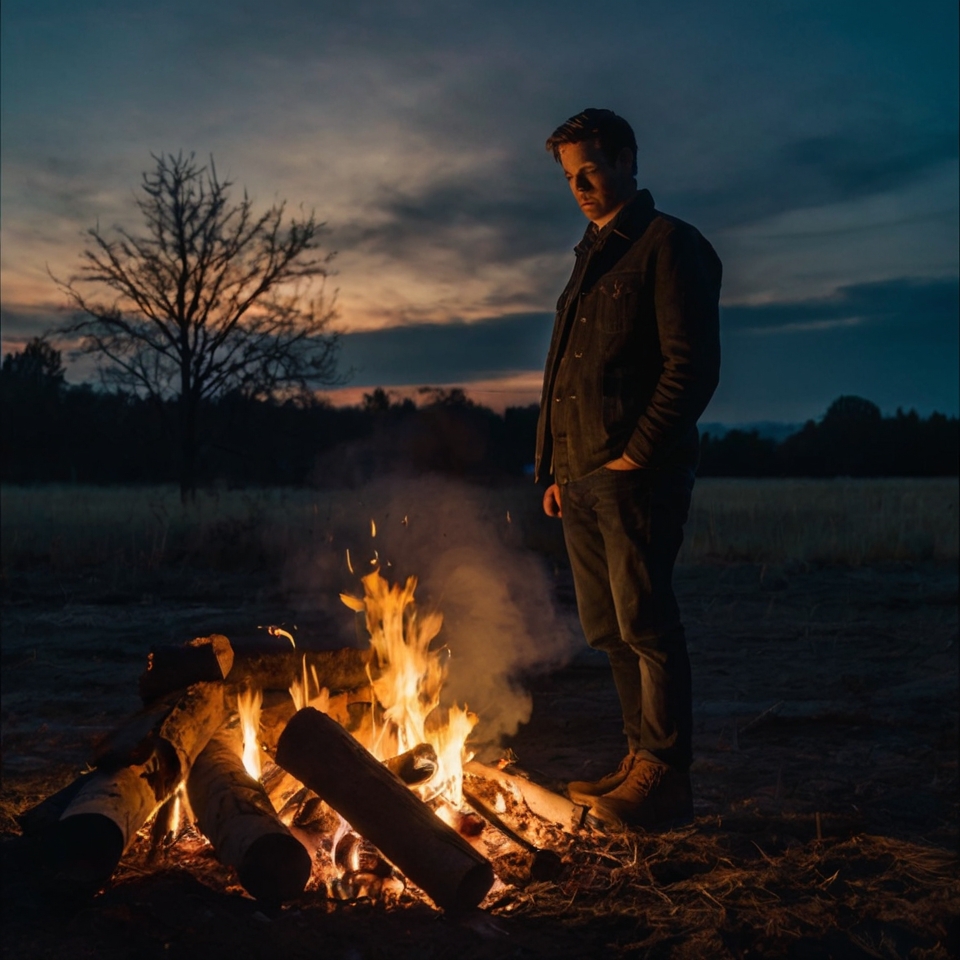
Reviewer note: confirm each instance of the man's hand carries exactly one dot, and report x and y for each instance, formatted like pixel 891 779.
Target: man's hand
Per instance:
pixel 551 501
pixel 622 463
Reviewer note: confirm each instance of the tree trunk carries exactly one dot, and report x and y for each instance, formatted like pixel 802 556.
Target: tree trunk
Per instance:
pixel 234 813
pixel 134 777
pixel 323 756
pixel 188 444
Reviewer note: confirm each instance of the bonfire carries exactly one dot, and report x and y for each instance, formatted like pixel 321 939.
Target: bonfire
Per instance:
pixel 342 771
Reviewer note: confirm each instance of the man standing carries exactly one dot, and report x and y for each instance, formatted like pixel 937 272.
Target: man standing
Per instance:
pixel 633 362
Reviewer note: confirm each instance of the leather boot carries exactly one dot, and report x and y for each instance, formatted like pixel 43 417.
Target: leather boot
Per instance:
pixel 583 791
pixel 653 795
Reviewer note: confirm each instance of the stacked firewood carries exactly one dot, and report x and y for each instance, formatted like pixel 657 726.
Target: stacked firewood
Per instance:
pixel 183 750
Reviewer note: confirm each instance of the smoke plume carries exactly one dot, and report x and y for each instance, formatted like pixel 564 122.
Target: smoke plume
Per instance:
pixel 464 544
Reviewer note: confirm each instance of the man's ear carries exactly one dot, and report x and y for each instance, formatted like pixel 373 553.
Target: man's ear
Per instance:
pixel 625 160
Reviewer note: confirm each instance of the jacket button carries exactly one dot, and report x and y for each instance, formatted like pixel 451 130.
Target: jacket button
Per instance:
pixel 578 354
pixel 583 319
pixel 573 396
pixel 557 399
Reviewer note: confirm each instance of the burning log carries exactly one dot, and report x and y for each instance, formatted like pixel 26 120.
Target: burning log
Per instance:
pixel 279 707
pixel 287 794
pixel 325 757
pixel 234 813
pixel 135 776
pixel 544 803
pixel 544 864
pixel 172 667
pixel 274 665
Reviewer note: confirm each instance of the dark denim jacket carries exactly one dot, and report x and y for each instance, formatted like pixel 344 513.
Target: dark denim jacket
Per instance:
pixel 635 354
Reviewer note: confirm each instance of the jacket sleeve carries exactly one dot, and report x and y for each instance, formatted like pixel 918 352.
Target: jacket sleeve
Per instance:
pixel 686 302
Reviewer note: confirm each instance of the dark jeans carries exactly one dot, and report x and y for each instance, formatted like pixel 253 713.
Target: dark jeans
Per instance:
pixel 623 530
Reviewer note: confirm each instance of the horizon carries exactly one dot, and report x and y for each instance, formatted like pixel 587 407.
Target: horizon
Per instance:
pixel 815 147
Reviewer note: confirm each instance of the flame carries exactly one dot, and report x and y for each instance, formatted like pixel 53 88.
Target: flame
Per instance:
pixel 409 683
pixel 300 690
pixel 249 702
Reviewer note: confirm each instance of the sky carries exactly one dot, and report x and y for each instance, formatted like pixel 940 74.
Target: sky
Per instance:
pixel 813 143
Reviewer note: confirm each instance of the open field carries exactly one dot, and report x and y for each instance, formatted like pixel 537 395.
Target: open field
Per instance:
pixel 822 625
pixel 140 529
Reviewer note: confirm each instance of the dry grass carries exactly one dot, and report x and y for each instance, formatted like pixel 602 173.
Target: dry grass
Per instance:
pixel 712 891
pixel 824 521
pixel 140 529
pixel 738 890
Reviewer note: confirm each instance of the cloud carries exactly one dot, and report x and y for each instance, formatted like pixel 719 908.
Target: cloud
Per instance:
pixel 927 308
pixel 447 353
pixel 820 170
pixel 19 324
pixel 893 342
pixel 800 137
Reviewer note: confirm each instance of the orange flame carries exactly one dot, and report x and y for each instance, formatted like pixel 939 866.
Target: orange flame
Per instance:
pixel 301 686
pixel 249 702
pixel 410 680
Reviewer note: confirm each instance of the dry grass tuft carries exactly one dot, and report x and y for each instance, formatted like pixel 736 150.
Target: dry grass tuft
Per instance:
pixel 707 891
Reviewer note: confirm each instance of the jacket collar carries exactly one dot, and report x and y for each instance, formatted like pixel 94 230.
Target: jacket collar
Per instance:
pixel 629 223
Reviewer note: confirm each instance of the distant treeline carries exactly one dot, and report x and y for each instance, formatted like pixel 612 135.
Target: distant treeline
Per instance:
pixel 852 440
pixel 53 432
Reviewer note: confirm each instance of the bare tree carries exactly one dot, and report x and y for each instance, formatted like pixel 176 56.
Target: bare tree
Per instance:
pixel 210 298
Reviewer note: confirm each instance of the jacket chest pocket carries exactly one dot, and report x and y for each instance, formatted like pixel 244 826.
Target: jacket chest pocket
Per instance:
pixel 619 301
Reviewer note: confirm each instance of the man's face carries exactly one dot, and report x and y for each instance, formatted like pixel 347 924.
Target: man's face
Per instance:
pixel 599 187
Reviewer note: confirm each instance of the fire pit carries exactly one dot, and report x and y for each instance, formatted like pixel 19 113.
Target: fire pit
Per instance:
pixel 338 771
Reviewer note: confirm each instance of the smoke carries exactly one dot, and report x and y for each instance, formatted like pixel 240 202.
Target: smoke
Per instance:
pixel 465 545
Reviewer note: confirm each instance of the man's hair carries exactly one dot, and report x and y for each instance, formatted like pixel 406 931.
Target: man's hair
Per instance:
pixel 612 132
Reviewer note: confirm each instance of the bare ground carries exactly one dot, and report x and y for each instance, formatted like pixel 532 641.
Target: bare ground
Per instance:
pixel 826 782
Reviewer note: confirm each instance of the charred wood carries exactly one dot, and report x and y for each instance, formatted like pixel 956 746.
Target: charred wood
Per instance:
pixel 279 707
pixel 544 803
pixel 234 813
pixel 274 666
pixel 415 766
pixel 543 864
pixel 173 667
pixel 325 757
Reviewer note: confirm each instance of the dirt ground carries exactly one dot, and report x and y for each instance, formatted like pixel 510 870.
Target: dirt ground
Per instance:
pixel 825 782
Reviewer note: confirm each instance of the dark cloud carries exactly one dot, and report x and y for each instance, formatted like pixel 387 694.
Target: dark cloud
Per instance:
pixel 886 341
pixel 919 307
pixel 818 171
pixel 895 343
pixel 22 323
pixel 447 353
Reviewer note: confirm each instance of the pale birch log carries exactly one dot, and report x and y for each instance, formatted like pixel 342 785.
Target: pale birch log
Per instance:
pixel 234 813
pixel 544 803
pixel 117 800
